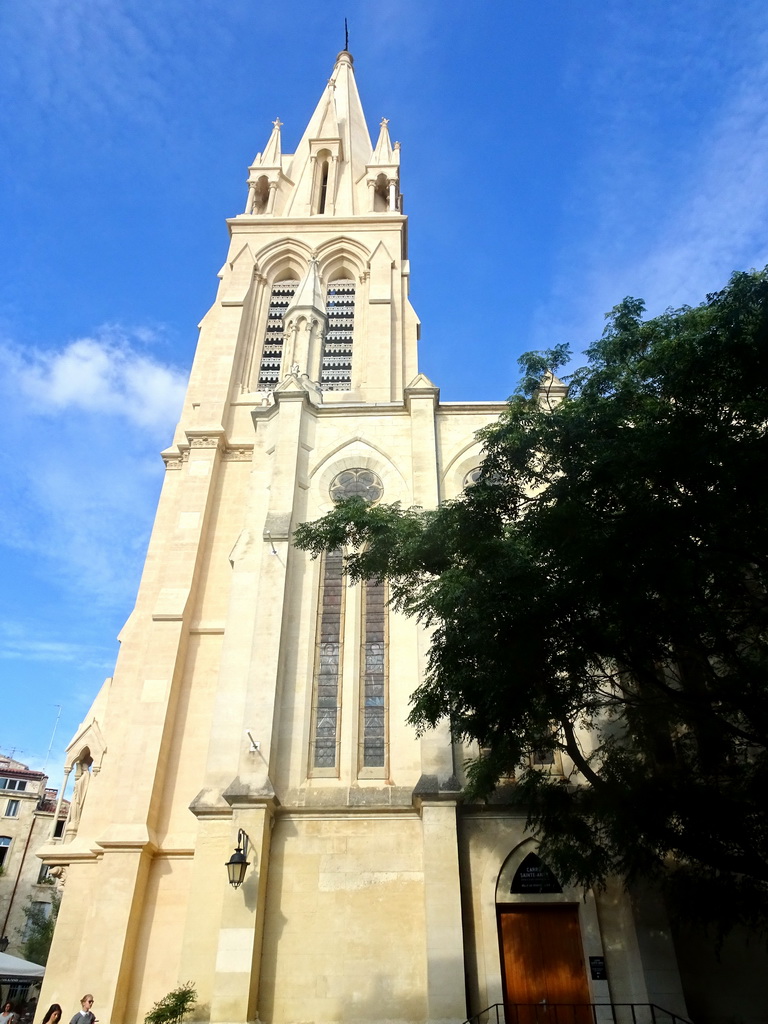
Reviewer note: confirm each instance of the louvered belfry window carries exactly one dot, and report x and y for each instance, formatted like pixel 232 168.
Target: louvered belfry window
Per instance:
pixel 373 691
pixel 326 702
pixel 272 352
pixel 336 368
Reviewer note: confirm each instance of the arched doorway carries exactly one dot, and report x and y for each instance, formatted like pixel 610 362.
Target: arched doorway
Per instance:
pixel 542 955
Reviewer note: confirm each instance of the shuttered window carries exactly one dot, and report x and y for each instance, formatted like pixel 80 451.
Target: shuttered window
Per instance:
pixel 336 366
pixel 272 351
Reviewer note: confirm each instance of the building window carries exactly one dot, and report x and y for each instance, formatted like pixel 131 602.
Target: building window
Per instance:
pixel 356 483
pixel 39 912
pixel 12 808
pixel 373 689
pixel 323 187
pixel 18 784
pixel 336 365
pixel 474 476
pixel 5 843
pixel 272 351
pixel 58 831
pixel 43 876
pixel 326 701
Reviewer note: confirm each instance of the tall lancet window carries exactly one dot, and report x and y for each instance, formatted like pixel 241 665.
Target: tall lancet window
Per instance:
pixel 373 684
pixel 336 365
pixel 326 702
pixel 272 352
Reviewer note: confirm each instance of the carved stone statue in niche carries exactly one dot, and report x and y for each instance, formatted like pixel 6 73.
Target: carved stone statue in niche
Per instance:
pixel 82 781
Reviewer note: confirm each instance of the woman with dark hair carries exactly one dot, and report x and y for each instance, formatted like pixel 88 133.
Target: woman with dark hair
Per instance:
pixel 53 1016
pixel 8 1015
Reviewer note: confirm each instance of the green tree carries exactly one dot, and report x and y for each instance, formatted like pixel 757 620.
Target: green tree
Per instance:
pixel 172 1009
pixel 38 930
pixel 602 592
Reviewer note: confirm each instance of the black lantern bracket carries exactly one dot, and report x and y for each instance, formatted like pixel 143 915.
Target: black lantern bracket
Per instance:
pixel 238 864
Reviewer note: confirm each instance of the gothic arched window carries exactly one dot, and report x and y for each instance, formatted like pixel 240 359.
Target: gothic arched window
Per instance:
pixel 329 645
pixel 336 364
pixel 272 351
pixel 373 681
pixel 320 197
pixel 356 483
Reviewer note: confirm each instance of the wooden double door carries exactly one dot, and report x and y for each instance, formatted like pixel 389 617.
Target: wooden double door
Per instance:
pixel 545 980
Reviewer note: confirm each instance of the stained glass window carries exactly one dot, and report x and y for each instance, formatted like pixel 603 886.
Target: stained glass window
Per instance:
pixel 329 645
pixel 356 483
pixel 373 689
pixel 474 476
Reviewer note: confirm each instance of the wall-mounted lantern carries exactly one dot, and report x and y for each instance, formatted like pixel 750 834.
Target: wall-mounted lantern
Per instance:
pixel 237 864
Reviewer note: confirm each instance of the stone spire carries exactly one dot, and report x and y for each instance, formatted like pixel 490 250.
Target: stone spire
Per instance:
pixel 337 134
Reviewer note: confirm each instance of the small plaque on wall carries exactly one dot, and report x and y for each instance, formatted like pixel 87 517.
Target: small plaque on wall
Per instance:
pixel 533 877
pixel 597 968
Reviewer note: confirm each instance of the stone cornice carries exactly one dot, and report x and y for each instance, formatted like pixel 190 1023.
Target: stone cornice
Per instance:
pixel 247 222
pixel 175 457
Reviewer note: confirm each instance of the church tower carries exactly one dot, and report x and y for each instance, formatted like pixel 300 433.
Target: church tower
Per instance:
pixel 258 700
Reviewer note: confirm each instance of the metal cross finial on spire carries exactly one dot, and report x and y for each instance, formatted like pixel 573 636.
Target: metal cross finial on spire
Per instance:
pixel 277 123
pixel 346 36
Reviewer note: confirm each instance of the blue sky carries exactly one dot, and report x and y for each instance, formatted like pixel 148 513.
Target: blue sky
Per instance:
pixel 555 158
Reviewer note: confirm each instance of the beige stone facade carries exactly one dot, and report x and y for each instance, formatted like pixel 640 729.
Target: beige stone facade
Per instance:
pixel 372 892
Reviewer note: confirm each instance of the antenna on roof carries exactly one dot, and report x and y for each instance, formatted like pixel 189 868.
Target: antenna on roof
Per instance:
pixel 346 35
pixel 50 745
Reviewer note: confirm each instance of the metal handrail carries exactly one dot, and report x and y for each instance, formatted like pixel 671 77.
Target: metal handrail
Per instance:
pixel 573 1013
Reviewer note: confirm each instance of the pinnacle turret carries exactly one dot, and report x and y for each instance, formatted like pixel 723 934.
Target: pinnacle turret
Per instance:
pixel 264 174
pixel 384 153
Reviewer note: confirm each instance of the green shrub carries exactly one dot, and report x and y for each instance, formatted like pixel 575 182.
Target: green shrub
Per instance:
pixel 171 1009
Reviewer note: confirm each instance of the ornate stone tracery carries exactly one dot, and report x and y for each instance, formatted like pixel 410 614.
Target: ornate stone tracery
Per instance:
pixel 357 483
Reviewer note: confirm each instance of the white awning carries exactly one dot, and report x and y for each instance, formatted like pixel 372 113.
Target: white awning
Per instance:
pixel 13 968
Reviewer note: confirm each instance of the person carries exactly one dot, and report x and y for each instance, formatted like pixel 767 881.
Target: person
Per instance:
pixel 84 1016
pixel 8 1016
pixel 53 1016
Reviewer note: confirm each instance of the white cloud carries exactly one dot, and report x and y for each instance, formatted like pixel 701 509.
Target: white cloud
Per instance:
pixel 81 469
pixel 16 643
pixel 105 374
